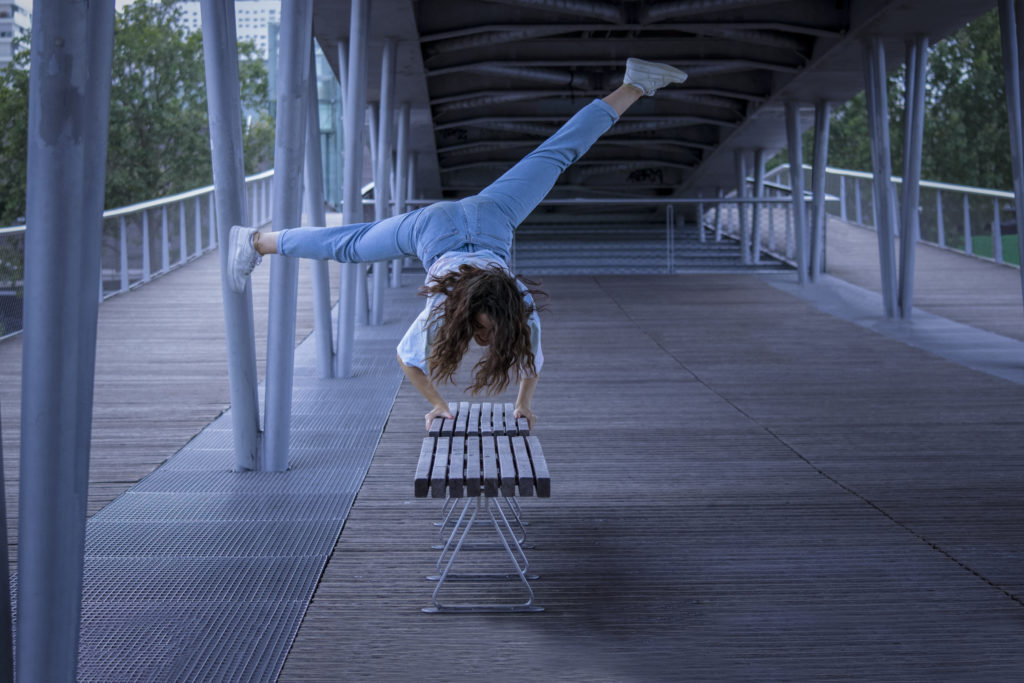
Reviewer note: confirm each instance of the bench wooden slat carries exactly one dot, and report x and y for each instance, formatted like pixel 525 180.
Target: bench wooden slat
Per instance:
pixel 540 467
pixel 462 419
pixel 473 465
pixel 506 466
pixel 448 427
pixel 523 466
pixel 435 426
pixel 438 477
pixel 498 419
pixel 510 422
pixel 490 458
pixel 485 419
pixel 421 483
pixel 474 419
pixel 456 467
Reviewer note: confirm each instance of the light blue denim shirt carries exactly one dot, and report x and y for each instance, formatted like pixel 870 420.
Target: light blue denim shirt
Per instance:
pixel 415 345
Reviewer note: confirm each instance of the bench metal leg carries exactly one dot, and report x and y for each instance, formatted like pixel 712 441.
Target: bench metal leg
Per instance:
pixel 447 516
pixel 505 532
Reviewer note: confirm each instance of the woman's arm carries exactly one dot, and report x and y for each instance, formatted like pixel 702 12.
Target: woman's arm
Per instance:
pixel 420 380
pixel 526 387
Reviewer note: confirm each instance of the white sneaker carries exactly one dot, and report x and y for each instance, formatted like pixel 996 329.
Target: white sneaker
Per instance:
pixel 242 256
pixel 651 76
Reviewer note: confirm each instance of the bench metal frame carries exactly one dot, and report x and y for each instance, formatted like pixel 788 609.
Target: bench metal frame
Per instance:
pixel 495 461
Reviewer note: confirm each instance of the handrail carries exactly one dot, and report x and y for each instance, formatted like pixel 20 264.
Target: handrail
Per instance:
pixel 930 184
pixel 152 203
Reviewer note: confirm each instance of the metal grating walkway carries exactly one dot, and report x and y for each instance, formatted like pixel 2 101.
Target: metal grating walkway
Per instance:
pixel 200 573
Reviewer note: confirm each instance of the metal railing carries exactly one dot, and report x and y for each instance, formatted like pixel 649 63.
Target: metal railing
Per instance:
pixel 974 220
pixel 140 242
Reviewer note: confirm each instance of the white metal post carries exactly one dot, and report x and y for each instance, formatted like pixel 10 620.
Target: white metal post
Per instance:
pixel 968 233
pixel 182 237
pixel 165 241
pixel 997 233
pixel 1011 26
pixel 68 113
pixel 878 124
pixel 741 210
pixel 224 104
pixel 355 107
pixel 821 117
pixel 314 190
pixel 795 146
pixel 124 255
pixel 382 169
pixel 146 266
pixel 289 143
pixel 917 65
pixel 401 180
pixel 758 207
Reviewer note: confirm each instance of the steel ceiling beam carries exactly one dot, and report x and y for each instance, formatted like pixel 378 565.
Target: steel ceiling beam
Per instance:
pixel 691 27
pixel 689 8
pixel 607 11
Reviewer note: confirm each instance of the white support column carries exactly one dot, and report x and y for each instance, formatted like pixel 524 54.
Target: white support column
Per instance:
pixel 68 113
pixel 913 134
pixel 796 158
pixel 757 208
pixel 1011 27
pixel 382 169
pixel 401 181
pixel 314 201
pixel 821 115
pixel 220 52
pixel 741 209
pixel 878 125
pixel 289 146
pixel 355 106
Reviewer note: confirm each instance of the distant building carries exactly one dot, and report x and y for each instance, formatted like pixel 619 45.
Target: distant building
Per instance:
pixel 15 20
pixel 251 19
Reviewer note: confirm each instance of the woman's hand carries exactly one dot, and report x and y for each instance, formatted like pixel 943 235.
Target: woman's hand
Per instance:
pixel 527 413
pixel 438 411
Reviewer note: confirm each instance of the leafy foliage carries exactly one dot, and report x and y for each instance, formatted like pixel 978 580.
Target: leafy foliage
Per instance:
pixel 159 135
pixel 966 135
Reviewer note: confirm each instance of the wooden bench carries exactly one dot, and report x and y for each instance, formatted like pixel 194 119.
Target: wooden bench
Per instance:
pixel 480 459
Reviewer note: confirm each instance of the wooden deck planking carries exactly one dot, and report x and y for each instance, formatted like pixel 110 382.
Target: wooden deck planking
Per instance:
pixel 801 498
pixel 947 283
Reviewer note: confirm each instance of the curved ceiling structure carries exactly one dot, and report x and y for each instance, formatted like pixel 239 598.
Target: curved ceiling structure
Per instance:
pixel 488 80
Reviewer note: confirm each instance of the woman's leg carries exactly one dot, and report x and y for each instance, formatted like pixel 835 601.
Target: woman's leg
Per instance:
pixel 522 187
pixel 381 240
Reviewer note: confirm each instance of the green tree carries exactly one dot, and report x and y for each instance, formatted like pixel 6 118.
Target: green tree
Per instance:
pixel 159 135
pixel 966 135
pixel 14 135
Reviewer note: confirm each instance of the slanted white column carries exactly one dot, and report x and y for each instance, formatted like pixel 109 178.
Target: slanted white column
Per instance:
pixel 314 201
pixel 878 125
pixel 913 133
pixel 1011 27
pixel 821 115
pixel 794 143
pixel 220 56
pixel 68 112
pixel 382 169
pixel 355 107
pixel 289 148
pixel 402 173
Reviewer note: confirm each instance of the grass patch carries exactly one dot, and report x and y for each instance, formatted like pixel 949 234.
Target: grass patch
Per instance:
pixel 982 245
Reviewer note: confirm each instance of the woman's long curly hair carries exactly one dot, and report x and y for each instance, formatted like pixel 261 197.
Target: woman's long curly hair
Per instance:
pixel 469 291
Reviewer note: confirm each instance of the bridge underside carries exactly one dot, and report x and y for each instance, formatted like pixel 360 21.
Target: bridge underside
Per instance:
pixel 488 80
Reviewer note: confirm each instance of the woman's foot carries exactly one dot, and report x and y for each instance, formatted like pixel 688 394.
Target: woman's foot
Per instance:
pixel 242 256
pixel 651 76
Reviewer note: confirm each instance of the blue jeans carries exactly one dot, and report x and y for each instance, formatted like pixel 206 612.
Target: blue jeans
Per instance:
pixel 484 221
